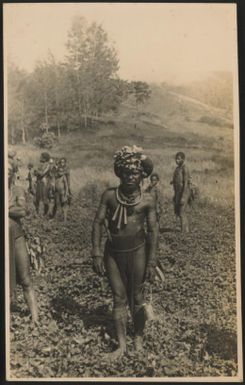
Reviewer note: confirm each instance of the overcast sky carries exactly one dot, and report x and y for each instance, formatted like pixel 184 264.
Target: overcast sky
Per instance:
pixel 153 41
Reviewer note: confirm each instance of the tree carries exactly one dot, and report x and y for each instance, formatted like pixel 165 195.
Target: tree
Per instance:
pixel 18 103
pixel 92 64
pixel 141 91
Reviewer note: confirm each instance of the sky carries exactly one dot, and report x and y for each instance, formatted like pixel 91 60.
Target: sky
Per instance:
pixel 155 42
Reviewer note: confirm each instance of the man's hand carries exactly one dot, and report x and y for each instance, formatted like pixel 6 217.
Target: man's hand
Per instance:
pixel 98 265
pixel 182 201
pixel 150 273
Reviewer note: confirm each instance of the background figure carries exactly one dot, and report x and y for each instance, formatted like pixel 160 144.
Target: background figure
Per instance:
pixel 62 187
pixel 181 184
pixel 30 179
pixel 154 189
pixel 51 187
pixel 42 174
pixel 18 255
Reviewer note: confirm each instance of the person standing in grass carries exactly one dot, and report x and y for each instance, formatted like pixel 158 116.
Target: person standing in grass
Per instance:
pixel 18 256
pixel 42 174
pixel 62 186
pixel 30 179
pixel 153 188
pixel 126 209
pixel 182 192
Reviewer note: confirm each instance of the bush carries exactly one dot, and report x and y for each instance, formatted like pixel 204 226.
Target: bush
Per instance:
pixel 45 141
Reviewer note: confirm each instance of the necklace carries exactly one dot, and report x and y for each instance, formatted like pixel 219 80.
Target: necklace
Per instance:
pixel 124 208
pixel 128 201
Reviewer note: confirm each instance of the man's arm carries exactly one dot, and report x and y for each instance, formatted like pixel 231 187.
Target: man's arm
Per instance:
pixel 152 230
pixel 68 179
pixel 18 210
pixel 186 182
pixel 97 226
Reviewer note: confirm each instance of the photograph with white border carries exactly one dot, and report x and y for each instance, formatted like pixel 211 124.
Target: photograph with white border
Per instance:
pixel 121 140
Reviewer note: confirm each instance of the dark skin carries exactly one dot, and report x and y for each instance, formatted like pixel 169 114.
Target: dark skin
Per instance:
pixel 145 210
pixel 184 194
pixel 180 161
pixel 17 212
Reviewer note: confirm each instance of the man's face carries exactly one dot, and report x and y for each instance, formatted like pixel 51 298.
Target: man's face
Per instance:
pixel 179 160
pixel 131 179
pixel 154 181
pixel 62 162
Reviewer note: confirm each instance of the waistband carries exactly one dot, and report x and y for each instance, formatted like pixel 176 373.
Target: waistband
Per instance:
pixel 119 243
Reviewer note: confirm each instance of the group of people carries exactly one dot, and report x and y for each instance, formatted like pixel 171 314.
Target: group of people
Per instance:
pixel 131 215
pixel 50 185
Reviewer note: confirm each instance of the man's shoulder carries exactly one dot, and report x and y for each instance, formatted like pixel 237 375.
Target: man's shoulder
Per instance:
pixel 109 192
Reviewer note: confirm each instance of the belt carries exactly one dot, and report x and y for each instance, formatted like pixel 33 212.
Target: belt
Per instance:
pixel 119 243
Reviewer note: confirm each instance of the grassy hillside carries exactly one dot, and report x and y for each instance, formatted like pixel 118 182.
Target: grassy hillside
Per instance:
pixel 162 126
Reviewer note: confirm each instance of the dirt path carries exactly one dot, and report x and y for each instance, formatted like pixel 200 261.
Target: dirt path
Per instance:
pixel 218 111
pixel 194 332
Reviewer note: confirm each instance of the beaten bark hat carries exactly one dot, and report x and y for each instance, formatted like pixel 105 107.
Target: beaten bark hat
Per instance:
pixel 132 158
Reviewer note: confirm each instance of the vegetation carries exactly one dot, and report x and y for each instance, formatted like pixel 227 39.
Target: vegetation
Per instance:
pixel 69 95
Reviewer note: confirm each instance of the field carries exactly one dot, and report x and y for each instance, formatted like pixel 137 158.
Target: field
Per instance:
pixel 194 330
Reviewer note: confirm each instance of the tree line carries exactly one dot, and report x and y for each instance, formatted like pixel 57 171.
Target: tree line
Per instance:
pixel 71 94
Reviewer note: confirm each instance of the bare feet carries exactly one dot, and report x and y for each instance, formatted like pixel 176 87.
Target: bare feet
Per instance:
pixel 138 344
pixel 116 354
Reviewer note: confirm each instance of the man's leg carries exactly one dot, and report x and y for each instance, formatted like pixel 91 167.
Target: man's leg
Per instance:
pixel 36 203
pixel 46 207
pixel 120 304
pixel 23 270
pixel 184 220
pixel 137 300
pixel 65 211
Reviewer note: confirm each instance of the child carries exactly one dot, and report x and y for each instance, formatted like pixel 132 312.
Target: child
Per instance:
pixel 153 188
pixel 181 184
pixel 126 209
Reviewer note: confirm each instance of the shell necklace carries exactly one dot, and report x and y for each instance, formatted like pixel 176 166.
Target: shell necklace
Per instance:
pixel 121 212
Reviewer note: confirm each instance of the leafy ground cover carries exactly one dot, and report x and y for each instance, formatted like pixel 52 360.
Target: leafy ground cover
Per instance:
pixel 194 330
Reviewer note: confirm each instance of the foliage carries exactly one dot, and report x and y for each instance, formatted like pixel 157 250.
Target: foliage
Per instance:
pixel 66 95
pixel 141 92
pixel 194 330
pixel 47 140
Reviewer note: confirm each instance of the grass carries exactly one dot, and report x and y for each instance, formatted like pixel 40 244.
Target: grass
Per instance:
pixel 90 156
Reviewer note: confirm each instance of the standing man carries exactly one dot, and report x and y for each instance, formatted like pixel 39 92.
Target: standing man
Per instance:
pixel 126 208
pixel 42 184
pixel 30 179
pixel 182 192
pixel 62 186
pixel 18 255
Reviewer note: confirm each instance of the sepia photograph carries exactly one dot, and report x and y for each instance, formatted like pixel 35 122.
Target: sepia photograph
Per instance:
pixel 122 196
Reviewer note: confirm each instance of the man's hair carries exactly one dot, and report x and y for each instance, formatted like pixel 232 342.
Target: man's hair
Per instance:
pixel 154 174
pixel 45 156
pixel 132 158
pixel 181 154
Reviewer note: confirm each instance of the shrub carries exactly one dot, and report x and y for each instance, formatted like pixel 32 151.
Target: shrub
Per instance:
pixel 45 141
